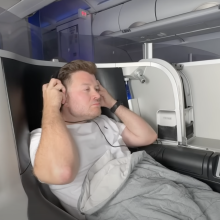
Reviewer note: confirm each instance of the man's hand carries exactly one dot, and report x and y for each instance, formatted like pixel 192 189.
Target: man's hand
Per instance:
pixel 106 99
pixel 137 132
pixel 54 94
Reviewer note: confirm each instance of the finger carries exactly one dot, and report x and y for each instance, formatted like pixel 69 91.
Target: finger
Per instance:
pixel 100 86
pixel 53 82
pixel 101 92
pixel 62 90
pixel 44 87
pixel 102 101
pixel 60 87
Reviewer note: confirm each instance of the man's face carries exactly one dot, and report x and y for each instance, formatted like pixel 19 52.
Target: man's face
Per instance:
pixel 83 99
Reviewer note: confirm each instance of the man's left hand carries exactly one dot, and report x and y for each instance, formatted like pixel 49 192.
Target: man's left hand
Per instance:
pixel 106 99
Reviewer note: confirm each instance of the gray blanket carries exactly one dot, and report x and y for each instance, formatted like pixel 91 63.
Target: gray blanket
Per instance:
pixel 150 191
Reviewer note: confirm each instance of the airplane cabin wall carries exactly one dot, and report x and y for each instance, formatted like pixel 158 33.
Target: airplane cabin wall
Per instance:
pixel 156 94
pixel 50 45
pixel 75 40
pixel 178 54
pixel 36 43
pixel 204 78
pixel 15 37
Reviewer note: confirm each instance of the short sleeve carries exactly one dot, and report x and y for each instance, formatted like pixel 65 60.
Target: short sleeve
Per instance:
pixel 34 144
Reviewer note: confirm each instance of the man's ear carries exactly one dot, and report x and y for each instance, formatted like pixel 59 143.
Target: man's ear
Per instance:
pixel 66 104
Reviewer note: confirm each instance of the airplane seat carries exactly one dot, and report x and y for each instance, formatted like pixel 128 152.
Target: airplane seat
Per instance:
pixel 24 87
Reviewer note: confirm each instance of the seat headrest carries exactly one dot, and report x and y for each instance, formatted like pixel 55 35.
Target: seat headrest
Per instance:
pixel 112 79
pixel 24 87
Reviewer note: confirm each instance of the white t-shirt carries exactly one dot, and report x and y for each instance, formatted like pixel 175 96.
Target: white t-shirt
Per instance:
pixel 91 145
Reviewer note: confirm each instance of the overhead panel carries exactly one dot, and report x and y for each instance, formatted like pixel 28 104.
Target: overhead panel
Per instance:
pixel 170 8
pixel 6 4
pixel 137 13
pixel 176 25
pixel 106 22
pixel 172 21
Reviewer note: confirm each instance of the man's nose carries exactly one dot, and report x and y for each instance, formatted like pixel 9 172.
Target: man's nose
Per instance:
pixel 96 95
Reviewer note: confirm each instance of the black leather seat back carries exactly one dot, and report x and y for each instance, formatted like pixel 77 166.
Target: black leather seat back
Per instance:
pixel 24 86
pixel 112 79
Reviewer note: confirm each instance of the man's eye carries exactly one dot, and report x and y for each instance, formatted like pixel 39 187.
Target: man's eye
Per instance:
pixel 97 90
pixel 87 89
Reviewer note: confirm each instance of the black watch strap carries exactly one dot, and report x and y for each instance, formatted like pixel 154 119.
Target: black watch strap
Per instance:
pixel 115 106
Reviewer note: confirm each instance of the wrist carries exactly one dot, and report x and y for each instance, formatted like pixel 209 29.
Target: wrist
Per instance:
pixel 50 112
pixel 112 103
pixel 50 118
pixel 116 106
pixel 50 109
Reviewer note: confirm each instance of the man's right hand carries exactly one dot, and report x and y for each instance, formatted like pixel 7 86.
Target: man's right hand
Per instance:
pixel 54 94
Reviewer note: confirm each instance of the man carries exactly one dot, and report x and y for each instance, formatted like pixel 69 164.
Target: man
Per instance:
pixel 74 135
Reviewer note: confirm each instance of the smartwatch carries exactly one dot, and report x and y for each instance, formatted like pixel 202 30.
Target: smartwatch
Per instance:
pixel 115 106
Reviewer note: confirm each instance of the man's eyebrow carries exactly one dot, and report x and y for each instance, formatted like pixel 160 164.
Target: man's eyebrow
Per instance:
pixel 87 84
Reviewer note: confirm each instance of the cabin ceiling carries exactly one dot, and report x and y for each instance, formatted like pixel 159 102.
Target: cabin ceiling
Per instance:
pixel 6 4
pixel 23 8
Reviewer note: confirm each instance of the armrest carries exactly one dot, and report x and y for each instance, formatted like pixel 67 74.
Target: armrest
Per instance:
pixel 200 164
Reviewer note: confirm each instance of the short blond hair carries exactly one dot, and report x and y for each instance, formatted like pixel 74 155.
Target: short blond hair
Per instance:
pixel 68 69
